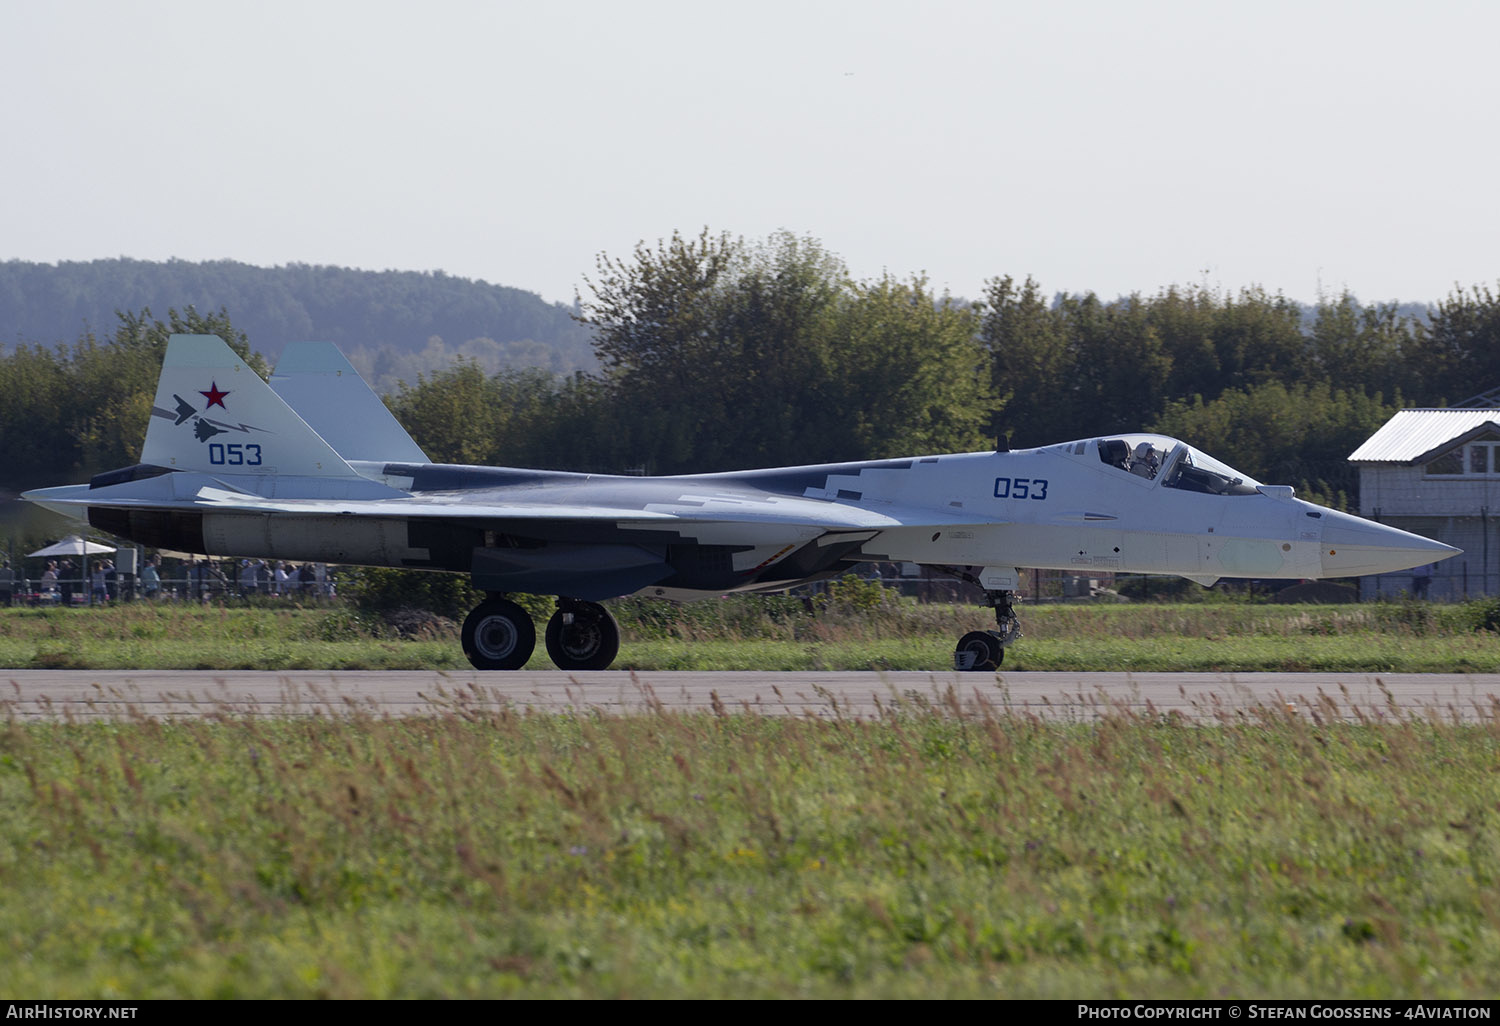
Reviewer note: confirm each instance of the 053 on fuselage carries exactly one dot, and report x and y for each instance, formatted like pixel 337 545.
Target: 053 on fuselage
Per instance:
pixel 312 467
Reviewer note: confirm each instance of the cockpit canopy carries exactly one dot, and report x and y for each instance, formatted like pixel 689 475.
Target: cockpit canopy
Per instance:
pixel 1176 464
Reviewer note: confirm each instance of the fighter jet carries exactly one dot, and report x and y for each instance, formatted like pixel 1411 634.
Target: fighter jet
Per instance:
pixel 230 468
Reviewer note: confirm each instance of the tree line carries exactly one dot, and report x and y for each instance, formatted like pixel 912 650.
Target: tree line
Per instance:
pixel 719 354
pixel 391 324
pixel 715 353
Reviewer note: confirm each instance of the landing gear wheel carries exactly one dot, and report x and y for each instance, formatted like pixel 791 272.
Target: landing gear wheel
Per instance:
pixel 582 636
pixel 979 651
pixel 985 650
pixel 499 635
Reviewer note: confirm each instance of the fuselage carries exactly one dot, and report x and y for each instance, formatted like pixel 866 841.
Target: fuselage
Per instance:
pixel 1131 503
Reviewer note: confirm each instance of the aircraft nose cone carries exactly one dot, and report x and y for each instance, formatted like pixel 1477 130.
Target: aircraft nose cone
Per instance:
pixel 1354 547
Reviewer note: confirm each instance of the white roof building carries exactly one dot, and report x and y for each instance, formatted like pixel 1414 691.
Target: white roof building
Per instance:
pixel 1413 436
pixel 1436 472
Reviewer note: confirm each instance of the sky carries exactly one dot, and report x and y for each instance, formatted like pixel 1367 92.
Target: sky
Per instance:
pixel 1117 146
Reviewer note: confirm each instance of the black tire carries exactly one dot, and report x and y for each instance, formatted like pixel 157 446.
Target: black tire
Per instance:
pixel 590 642
pixel 981 650
pixel 499 635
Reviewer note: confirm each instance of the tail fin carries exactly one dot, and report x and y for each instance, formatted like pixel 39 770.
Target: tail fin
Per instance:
pixel 215 415
pixel 317 381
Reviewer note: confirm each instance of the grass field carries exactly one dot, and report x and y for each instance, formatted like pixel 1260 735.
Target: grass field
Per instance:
pixel 480 852
pixel 779 634
pixel 917 855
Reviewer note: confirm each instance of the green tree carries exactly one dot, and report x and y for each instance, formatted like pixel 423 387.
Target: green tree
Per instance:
pixel 907 376
pixel 76 410
pixel 114 382
pixel 137 332
pixel 664 332
pixel 725 355
pixel 1185 321
pixel 1257 338
pixel 1463 345
pixel 1120 367
pixel 36 417
pixel 1030 362
pixel 452 415
pixel 1363 347
pixel 654 316
pixel 778 362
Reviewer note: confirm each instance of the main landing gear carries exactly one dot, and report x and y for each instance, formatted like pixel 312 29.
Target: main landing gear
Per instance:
pixel 499 635
pixel 984 651
pixel 582 636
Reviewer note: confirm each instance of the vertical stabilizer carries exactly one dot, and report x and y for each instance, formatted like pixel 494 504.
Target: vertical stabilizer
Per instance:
pixel 213 414
pixel 317 381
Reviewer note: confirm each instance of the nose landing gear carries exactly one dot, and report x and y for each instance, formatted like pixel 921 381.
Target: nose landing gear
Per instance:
pixel 979 651
pixel 984 651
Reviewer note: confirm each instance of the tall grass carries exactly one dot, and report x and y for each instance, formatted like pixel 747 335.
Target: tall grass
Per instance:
pixel 479 852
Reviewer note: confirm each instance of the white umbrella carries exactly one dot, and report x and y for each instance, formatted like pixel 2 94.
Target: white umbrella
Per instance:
pixel 74 545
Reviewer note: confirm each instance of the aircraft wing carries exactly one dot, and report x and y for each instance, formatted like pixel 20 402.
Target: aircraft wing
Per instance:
pixel 218 495
pixel 587 550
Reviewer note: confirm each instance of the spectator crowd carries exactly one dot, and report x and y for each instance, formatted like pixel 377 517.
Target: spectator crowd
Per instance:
pixel 64 583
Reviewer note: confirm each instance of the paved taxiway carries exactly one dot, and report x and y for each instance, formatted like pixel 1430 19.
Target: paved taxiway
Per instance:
pixel 1202 697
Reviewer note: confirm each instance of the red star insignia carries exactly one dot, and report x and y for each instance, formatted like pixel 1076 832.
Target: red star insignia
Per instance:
pixel 214 396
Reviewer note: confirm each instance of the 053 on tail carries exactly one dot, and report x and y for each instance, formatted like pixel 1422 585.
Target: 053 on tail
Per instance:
pixel 312 467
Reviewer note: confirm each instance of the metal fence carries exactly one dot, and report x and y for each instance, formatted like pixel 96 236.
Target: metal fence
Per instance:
pixel 195 582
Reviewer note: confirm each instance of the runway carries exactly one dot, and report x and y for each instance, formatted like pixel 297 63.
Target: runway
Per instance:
pixel 80 695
